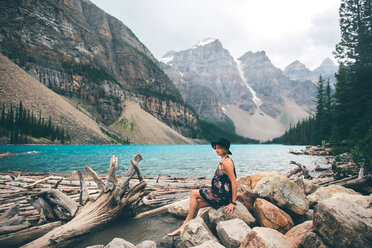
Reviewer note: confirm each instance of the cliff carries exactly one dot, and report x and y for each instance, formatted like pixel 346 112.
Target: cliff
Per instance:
pixel 81 52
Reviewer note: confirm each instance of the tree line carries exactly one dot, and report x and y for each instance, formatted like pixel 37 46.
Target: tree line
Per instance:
pixel 18 124
pixel 345 118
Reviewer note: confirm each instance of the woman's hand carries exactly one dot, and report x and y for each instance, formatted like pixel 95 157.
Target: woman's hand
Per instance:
pixel 229 208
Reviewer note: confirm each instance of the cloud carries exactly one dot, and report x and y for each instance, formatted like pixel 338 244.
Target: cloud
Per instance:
pixel 287 30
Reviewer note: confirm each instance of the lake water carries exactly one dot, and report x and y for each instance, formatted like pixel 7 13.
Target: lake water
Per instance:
pixel 166 160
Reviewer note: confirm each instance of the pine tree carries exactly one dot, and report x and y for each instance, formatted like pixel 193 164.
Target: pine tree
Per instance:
pixel 320 112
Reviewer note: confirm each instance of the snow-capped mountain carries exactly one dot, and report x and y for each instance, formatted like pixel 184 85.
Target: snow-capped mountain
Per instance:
pixel 259 98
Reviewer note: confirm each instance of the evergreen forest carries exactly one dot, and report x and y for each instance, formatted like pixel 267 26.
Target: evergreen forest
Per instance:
pixel 344 119
pixel 18 125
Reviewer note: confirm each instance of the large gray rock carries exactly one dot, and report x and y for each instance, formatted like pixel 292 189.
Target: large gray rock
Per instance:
pixel 210 244
pixel 196 233
pixel 146 244
pixel 180 208
pixel 312 240
pixel 240 212
pixel 119 243
pixel 307 186
pixel 343 223
pixel 284 193
pixel 232 232
pixel 323 193
pixel 263 237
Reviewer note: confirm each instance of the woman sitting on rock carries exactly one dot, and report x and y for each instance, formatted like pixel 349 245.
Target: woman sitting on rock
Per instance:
pixel 224 188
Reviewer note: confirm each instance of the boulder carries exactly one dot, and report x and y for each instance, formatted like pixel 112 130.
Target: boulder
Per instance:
pixel 263 237
pixel 269 215
pixel 312 240
pixel 119 243
pixel 146 244
pixel 306 185
pixel 232 232
pixel 170 242
pixel 95 246
pixel 252 180
pixel 284 193
pixel 343 223
pixel 297 233
pixel 246 196
pixel 180 208
pixel 327 192
pixel 196 233
pixel 210 244
pixel 240 212
pixel 309 215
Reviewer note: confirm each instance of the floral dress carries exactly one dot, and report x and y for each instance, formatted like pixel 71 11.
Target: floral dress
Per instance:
pixel 220 194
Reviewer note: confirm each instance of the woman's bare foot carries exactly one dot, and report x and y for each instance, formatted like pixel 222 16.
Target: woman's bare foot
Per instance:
pixel 177 232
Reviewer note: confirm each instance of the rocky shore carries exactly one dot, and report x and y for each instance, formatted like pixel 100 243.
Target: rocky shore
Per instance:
pixel 298 209
pixel 280 210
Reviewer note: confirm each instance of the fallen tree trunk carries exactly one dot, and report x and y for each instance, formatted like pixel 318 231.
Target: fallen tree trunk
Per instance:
pixel 107 206
pixel 16 239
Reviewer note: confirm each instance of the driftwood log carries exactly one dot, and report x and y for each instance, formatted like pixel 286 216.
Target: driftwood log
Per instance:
pixel 304 170
pixel 114 199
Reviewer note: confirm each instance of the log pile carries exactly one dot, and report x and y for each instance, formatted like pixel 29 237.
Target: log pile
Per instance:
pixel 35 203
pixel 313 151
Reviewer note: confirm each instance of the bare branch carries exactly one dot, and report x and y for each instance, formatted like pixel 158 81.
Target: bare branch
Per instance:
pixel 84 194
pixel 99 182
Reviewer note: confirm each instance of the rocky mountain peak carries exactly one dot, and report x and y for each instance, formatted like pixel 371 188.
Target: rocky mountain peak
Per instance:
pixel 258 58
pixel 298 71
pixel 327 67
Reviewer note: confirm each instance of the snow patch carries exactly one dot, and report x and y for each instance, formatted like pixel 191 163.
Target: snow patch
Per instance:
pixel 204 42
pixel 166 60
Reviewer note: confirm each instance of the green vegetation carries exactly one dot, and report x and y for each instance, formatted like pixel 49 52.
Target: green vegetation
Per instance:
pixel 89 72
pixel 17 125
pixel 116 139
pixel 345 119
pixel 213 130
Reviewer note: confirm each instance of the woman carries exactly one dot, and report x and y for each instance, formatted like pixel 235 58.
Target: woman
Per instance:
pixel 223 191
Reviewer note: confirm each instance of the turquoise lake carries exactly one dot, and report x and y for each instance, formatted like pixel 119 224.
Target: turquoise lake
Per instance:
pixel 166 160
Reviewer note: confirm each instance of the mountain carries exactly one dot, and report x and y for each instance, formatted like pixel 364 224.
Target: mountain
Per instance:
pixel 91 58
pixel 260 100
pixel 327 69
pixel 298 71
pixel 17 85
pixel 207 77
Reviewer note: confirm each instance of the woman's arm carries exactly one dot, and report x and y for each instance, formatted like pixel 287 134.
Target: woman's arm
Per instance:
pixel 228 169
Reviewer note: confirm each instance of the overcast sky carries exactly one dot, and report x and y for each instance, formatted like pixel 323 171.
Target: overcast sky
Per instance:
pixel 287 30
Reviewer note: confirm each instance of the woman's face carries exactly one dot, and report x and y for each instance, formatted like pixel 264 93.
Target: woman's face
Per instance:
pixel 219 151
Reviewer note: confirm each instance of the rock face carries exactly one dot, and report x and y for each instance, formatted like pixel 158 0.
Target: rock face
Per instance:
pixel 17 85
pixel 240 212
pixel 81 52
pixel 269 215
pixel 343 223
pixel 196 233
pixel 284 193
pixel 262 237
pixel 232 232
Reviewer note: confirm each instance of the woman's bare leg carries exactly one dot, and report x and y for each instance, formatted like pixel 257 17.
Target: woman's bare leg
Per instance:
pixel 196 202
